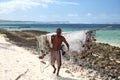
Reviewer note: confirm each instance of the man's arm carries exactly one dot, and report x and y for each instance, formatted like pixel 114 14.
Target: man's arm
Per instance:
pixel 52 37
pixel 64 40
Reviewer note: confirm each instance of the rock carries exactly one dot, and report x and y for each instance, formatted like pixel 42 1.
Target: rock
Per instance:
pixel 67 71
pixel 104 58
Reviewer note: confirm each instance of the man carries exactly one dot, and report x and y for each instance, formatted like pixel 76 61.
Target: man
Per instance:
pixel 56 41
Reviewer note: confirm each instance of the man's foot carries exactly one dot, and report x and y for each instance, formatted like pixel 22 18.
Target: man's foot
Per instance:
pixel 57 75
pixel 54 71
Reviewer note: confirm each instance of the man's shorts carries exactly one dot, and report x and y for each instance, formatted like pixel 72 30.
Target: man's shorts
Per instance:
pixel 56 56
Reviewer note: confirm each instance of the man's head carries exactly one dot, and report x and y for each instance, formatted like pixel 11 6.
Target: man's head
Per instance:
pixel 59 31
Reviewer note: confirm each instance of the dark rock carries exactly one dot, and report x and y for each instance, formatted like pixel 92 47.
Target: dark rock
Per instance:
pixel 104 59
pixel 67 71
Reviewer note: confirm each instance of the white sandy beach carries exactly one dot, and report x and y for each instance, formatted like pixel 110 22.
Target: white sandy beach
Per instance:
pixel 17 63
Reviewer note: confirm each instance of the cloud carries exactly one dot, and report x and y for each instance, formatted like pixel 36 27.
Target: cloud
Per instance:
pixel 89 14
pixel 9 6
pixel 43 16
pixel 13 5
pixel 72 15
pixel 59 2
pixel 47 1
pixel 66 3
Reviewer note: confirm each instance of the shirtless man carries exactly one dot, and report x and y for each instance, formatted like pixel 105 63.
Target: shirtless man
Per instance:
pixel 56 49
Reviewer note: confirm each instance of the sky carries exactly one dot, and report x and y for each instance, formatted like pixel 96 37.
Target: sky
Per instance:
pixel 73 11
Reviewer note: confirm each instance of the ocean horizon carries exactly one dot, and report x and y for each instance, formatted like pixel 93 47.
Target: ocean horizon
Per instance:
pixel 109 35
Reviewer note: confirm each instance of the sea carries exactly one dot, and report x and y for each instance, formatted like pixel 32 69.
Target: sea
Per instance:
pixel 106 35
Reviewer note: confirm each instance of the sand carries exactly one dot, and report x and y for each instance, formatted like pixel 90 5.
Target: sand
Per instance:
pixel 18 63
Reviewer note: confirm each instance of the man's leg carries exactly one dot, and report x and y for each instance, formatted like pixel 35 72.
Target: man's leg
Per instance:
pixel 58 58
pixel 53 62
pixel 58 70
pixel 54 69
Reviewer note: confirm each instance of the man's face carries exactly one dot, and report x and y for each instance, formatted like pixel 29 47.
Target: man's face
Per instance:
pixel 58 32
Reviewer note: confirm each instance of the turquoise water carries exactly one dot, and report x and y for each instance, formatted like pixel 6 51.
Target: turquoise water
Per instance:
pixel 111 35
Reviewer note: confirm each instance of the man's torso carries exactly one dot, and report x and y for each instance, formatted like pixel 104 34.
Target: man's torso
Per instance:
pixel 57 41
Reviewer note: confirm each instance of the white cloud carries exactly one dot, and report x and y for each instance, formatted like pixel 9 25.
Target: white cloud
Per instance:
pixel 59 2
pixel 24 16
pixel 13 5
pixel 89 14
pixel 72 15
pixel 66 3
pixel 47 1
pixel 43 16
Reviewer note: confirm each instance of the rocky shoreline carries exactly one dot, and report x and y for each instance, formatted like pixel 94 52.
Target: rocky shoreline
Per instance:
pixel 104 57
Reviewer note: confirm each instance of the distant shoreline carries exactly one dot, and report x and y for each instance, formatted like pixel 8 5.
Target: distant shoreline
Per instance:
pixel 44 22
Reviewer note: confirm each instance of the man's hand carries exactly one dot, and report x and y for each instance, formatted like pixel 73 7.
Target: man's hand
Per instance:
pixel 68 51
